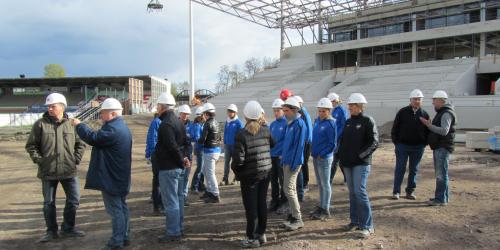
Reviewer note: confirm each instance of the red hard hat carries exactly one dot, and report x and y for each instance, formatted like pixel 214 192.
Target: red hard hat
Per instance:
pixel 285 93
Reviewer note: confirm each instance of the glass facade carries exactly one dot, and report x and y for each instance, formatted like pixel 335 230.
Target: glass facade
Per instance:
pixel 448 48
pixel 492 10
pixel 493 43
pixel 454 15
pixel 346 58
pixel 386 26
pixel 342 34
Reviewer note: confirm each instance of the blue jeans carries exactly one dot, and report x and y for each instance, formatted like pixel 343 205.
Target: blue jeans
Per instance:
pixel 72 190
pixel 197 180
pixel 441 158
pixel 117 208
pixel 405 152
pixel 228 151
pixel 323 171
pixel 360 210
pixel 171 187
pixel 185 182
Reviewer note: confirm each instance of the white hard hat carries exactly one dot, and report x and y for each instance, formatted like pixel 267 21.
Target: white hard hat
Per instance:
pixel 208 107
pixel 252 110
pixel 184 109
pixel 292 102
pixel 416 93
pixel 111 104
pixel 324 103
pixel 55 98
pixel 440 94
pixel 333 97
pixel 232 107
pixel 262 111
pixel 199 111
pixel 356 98
pixel 299 99
pixel 277 103
pixel 166 98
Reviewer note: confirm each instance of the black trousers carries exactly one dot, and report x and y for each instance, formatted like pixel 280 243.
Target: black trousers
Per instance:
pixel 305 166
pixel 335 165
pixel 157 203
pixel 254 200
pixel 277 191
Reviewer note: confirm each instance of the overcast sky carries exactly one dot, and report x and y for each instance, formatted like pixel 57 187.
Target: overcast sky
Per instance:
pixel 119 37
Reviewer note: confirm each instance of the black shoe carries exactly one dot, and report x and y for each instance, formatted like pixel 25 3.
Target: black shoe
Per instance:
pixel 49 236
pixel 72 233
pixel 273 206
pixel 126 243
pixel 205 195
pixel 108 247
pixel 289 218
pixel 262 239
pixel 316 210
pixel 186 203
pixel 169 239
pixel 212 199
pixel 301 199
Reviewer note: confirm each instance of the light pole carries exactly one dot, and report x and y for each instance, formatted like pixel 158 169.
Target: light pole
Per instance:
pixel 156 5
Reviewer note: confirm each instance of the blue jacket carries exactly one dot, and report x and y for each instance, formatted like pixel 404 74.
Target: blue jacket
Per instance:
pixel 293 146
pixel 196 130
pixel 278 130
pixel 189 137
pixel 152 137
pixel 230 130
pixel 340 114
pixel 324 138
pixel 111 157
pixel 307 119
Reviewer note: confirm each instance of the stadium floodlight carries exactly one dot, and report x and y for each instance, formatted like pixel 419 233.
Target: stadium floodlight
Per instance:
pixel 154 5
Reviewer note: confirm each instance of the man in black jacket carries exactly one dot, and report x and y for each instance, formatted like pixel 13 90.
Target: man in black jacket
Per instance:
pixel 170 157
pixel 409 136
pixel 441 141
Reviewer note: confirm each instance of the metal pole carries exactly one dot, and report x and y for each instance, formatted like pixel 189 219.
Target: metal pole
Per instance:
pixel 191 52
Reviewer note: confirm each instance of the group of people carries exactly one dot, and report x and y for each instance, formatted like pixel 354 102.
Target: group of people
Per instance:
pixel 258 153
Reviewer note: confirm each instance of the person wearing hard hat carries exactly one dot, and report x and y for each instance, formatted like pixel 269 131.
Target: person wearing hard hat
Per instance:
pixel 210 139
pixel 292 158
pixel 278 129
pixel 184 113
pixel 110 167
pixel 198 179
pixel 340 114
pixel 441 141
pixel 151 140
pixel 285 93
pixel 231 128
pixel 303 179
pixel 357 144
pixel 409 136
pixel 323 144
pixel 251 165
pixel 54 146
pixel 171 159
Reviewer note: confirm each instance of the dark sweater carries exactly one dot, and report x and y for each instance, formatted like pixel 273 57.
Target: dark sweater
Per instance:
pixel 358 142
pixel 407 127
pixel 172 144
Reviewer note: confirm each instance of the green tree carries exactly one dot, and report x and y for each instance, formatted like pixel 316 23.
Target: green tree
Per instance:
pixel 54 71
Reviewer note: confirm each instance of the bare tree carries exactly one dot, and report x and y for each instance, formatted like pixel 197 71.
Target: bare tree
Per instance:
pixel 223 79
pixel 251 67
pixel 269 63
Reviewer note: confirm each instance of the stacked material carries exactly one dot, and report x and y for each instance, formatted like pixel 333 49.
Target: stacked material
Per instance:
pixel 477 140
pixel 494 138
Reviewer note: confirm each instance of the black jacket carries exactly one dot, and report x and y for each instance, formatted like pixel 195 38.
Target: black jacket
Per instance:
pixel 358 141
pixel 172 144
pixel 252 155
pixel 447 141
pixel 211 135
pixel 407 127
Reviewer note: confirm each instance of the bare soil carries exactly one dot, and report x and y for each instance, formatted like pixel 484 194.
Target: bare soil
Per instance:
pixel 470 221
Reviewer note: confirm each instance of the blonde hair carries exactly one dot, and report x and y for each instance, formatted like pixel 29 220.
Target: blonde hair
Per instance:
pixel 252 126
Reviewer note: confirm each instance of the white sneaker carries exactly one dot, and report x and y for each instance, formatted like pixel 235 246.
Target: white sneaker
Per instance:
pixel 395 196
pixel 365 233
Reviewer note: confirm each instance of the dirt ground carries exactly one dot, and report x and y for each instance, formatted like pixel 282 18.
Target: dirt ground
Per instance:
pixel 470 221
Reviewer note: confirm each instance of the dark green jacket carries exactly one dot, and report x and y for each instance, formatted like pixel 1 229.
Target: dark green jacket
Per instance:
pixel 55 148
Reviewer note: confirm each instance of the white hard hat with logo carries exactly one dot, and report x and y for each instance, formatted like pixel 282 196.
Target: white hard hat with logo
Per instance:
pixel 56 98
pixel 111 104
pixel 416 93
pixel 324 103
pixel 333 97
pixel 232 107
pixel 208 107
pixel 252 110
pixel 199 111
pixel 357 98
pixel 292 102
pixel 166 98
pixel 277 103
pixel 184 109
pixel 299 99
pixel 440 94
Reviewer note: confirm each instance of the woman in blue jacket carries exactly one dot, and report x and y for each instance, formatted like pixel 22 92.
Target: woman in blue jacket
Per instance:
pixel 323 144
pixel 197 180
pixel 340 114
